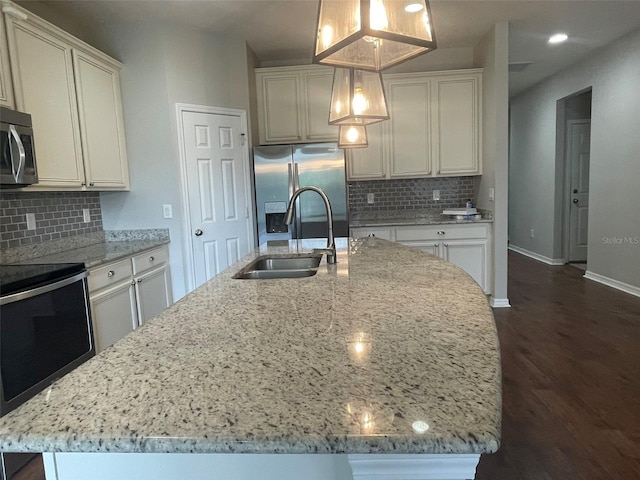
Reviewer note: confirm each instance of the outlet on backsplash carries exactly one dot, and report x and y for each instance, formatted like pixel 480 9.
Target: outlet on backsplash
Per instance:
pixel 436 195
pixel 370 198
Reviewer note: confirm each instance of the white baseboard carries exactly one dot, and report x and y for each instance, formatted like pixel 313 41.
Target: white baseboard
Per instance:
pixel 499 302
pixel 610 282
pixel 537 256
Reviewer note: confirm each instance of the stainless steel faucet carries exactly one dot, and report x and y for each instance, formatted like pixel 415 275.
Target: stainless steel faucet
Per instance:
pixel 288 219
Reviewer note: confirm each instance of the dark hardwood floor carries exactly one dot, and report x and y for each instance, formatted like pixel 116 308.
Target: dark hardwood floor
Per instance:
pixel 571 379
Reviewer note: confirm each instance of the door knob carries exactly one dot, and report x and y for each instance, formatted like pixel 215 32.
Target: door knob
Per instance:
pixel 198 232
pixel 575 200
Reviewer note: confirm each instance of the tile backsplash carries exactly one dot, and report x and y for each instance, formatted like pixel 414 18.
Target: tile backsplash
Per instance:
pixel 57 216
pixel 411 194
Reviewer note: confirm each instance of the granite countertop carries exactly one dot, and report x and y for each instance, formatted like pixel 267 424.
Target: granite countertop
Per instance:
pixel 390 218
pixel 99 253
pixel 341 362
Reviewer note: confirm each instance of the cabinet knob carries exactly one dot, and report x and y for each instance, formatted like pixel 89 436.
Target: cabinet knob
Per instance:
pixel 110 273
pixel 198 232
pixel 92 184
pixel 139 280
pixel 84 184
pixel 441 232
pixel 445 244
pixel 372 234
pixel 151 258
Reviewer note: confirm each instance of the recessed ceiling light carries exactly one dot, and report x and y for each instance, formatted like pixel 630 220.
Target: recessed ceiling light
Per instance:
pixel 558 38
pixel 413 7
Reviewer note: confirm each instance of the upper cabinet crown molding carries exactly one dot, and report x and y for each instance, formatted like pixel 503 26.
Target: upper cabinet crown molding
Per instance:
pixel 72 92
pixel 293 104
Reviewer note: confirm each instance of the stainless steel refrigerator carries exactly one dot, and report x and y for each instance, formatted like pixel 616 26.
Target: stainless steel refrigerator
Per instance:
pixel 280 170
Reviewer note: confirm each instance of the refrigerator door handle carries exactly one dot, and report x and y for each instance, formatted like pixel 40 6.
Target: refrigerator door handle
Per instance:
pixel 297 177
pixel 296 186
pixel 292 189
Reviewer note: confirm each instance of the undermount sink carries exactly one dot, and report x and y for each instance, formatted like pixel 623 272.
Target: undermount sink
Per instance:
pixel 280 266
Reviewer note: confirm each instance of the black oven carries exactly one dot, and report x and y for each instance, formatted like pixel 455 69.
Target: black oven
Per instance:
pixel 45 332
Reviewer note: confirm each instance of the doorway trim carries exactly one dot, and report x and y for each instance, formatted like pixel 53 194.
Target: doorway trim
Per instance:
pixel 189 273
pixel 566 198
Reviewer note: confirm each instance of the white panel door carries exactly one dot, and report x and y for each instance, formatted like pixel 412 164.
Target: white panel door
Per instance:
pixel 217 183
pixel 42 70
pixel 580 138
pixel 410 142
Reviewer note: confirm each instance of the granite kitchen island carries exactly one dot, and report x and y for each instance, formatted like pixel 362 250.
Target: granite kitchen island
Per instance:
pixel 386 363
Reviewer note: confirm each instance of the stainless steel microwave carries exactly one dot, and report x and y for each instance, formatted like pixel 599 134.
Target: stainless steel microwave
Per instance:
pixel 17 153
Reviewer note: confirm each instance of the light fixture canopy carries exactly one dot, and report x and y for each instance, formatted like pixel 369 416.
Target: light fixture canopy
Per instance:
pixel 372 34
pixel 357 98
pixel 352 136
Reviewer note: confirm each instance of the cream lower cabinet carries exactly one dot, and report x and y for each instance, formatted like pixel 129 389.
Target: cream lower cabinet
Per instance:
pixel 125 294
pixel 72 92
pixel 464 245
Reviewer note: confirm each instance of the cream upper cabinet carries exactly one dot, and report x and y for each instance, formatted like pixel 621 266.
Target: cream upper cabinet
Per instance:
pixel 293 105
pixel 101 122
pixel 409 133
pixel 434 129
pixel 368 163
pixel 72 92
pixel 6 88
pixel 456 125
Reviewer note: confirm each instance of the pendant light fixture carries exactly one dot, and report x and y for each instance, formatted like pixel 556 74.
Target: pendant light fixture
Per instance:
pixel 372 34
pixel 357 98
pixel 352 136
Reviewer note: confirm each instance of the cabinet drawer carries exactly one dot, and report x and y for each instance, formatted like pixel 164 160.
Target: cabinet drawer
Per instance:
pixel 152 258
pixel 109 274
pixel 441 232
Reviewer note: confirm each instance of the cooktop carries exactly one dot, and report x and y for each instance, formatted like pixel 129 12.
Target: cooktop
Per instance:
pixel 16 278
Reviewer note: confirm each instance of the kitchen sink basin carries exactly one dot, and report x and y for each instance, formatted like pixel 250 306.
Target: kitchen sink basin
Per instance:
pixel 280 266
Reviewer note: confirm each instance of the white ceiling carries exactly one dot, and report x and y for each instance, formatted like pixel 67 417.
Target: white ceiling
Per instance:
pixel 281 32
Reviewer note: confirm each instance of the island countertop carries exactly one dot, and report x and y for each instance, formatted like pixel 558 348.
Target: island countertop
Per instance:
pixel 345 361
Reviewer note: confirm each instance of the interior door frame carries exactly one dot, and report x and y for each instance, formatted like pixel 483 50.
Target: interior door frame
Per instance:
pixel 566 209
pixel 181 108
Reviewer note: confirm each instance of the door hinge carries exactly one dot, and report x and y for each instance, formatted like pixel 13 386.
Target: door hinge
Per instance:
pixel 242 138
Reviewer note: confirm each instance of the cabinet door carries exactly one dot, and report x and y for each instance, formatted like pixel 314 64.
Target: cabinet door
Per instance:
pixel 368 163
pixel 317 99
pixel 153 293
pixel 432 248
pixel 278 99
pixel 42 71
pixel 381 232
pixel 6 90
pixel 471 256
pixel 409 136
pixel 101 123
pixel 113 311
pixel 456 146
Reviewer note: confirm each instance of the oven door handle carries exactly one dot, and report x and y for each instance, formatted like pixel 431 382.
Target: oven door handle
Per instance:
pixel 16 297
pixel 17 172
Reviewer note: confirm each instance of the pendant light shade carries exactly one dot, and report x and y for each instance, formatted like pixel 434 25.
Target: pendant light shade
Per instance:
pixel 357 98
pixel 372 34
pixel 352 136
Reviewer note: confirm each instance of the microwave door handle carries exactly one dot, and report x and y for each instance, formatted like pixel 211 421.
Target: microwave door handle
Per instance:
pixel 17 173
